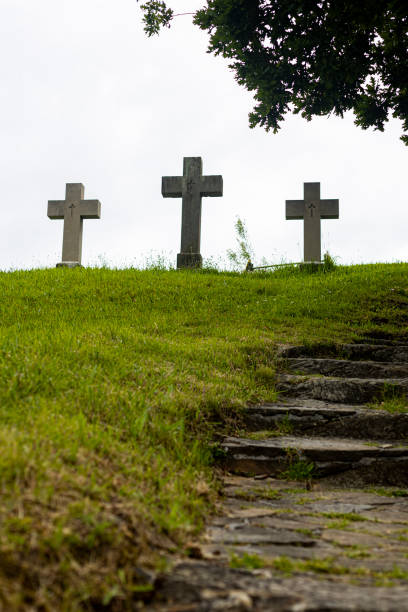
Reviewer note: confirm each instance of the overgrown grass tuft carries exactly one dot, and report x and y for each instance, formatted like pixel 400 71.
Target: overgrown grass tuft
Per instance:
pixel 113 387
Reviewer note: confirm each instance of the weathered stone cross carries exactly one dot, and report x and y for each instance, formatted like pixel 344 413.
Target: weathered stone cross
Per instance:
pixel 192 186
pixel 73 210
pixel 311 209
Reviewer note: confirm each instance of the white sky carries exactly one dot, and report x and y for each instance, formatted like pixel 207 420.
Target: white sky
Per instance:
pixel 86 97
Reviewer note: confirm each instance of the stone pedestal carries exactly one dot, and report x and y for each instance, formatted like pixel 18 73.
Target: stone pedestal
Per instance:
pixel 69 264
pixel 189 260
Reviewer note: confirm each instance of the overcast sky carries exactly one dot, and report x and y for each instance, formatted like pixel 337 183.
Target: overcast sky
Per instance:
pixel 86 97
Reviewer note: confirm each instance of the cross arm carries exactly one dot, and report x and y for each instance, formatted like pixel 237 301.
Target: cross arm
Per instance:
pixel 212 186
pixel 295 209
pixel 172 186
pixel 56 209
pixel 90 209
pixel 329 209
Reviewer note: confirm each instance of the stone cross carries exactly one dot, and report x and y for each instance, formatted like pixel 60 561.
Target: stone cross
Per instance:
pixel 73 210
pixel 192 187
pixel 311 209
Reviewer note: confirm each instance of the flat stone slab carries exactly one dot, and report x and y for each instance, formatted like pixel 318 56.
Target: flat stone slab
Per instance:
pixel 319 418
pixel 342 390
pixel 371 352
pixel 375 463
pixel 203 587
pixel 345 368
pixel 317 550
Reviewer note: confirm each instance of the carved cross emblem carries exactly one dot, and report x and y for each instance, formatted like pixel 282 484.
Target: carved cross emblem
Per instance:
pixel 72 208
pixel 312 208
pixel 190 184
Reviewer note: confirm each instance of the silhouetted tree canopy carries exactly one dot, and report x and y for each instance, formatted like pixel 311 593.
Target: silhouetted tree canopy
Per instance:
pixel 313 57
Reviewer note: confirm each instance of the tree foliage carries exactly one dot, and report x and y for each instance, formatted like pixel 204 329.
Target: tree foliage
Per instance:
pixel 313 57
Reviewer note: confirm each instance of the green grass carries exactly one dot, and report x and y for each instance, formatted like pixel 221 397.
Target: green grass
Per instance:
pixel 246 561
pixel 393 405
pixel 327 566
pixel 113 387
pixel 256 493
pixel 389 492
pixel 298 469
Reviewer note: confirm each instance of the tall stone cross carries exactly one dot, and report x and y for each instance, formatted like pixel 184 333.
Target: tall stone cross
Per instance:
pixel 311 209
pixel 191 187
pixel 74 209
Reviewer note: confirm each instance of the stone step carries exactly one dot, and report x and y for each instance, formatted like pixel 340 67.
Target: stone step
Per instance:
pixel 342 390
pixel 355 352
pixel 357 463
pixel 319 418
pixel 344 368
pixel 200 586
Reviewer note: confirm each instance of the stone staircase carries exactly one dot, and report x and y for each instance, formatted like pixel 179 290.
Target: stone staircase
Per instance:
pixel 322 407
pixel 315 515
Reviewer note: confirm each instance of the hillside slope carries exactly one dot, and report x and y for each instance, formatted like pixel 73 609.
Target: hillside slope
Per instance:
pixel 114 386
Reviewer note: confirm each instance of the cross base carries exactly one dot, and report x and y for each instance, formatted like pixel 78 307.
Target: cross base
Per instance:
pixel 69 264
pixel 189 260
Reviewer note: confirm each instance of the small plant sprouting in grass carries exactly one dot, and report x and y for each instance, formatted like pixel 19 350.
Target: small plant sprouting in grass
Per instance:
pixel 246 561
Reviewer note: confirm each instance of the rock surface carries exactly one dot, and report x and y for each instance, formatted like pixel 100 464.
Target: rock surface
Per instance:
pixel 335 540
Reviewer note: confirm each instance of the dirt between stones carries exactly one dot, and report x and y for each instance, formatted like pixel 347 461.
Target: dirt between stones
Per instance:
pixel 315 513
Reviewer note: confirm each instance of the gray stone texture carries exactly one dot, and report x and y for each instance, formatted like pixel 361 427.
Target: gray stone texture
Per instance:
pixel 191 187
pixel 73 210
pixel 311 417
pixel 312 209
pixel 336 540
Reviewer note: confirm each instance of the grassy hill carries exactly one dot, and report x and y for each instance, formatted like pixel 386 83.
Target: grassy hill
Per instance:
pixel 115 386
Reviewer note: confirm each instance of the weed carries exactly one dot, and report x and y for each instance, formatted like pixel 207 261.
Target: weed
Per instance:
pixel 245 251
pixel 285 425
pixel 393 405
pixel 306 532
pixel 246 561
pixel 298 469
pixel 389 492
pixel 262 435
pixel 284 564
pixel 343 524
pixel 347 516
